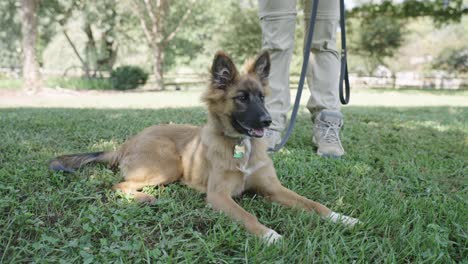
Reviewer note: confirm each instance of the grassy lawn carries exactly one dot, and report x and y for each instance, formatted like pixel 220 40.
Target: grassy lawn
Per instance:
pixel 427 90
pixel 72 83
pixel 404 176
pixel 11 84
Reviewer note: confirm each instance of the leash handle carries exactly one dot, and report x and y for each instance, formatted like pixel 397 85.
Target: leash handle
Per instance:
pixel 344 59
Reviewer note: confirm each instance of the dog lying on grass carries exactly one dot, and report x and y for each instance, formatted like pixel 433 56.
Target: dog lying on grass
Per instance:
pixel 224 158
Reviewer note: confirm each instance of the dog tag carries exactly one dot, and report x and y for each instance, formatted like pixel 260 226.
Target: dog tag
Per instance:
pixel 239 151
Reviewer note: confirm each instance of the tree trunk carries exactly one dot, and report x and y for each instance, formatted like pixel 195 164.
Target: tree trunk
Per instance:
pixel 108 55
pixel 394 80
pixel 83 62
pixel 31 75
pixel 91 53
pixel 158 70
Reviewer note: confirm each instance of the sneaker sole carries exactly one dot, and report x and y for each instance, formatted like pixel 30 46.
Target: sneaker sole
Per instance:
pixel 329 155
pixel 325 155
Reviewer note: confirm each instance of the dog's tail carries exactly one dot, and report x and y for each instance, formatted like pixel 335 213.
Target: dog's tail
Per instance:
pixel 69 163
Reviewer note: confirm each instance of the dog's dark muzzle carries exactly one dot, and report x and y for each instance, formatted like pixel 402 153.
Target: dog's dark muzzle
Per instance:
pixel 265 120
pixel 253 120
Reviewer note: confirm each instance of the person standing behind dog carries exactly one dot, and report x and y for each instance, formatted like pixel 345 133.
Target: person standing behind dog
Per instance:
pixel 278 22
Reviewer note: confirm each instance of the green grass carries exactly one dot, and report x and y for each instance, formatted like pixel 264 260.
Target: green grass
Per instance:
pixel 74 83
pixel 425 90
pixel 13 84
pixel 78 83
pixel 404 176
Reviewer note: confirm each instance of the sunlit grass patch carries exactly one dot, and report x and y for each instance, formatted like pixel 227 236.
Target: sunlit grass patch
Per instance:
pixel 404 177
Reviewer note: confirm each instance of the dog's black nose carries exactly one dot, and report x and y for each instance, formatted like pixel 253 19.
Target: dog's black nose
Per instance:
pixel 265 120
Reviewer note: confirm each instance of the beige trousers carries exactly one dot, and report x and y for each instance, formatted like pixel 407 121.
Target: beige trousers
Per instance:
pixel 278 22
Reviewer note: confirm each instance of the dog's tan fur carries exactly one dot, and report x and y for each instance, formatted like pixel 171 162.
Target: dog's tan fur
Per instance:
pixel 202 158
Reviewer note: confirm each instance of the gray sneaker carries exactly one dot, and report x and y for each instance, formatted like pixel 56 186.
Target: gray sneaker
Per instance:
pixel 326 135
pixel 272 138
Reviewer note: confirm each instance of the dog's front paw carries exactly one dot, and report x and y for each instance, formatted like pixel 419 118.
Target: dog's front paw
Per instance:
pixel 344 219
pixel 271 237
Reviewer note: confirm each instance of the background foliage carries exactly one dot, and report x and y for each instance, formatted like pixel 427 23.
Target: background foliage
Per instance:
pixel 107 34
pixel 128 77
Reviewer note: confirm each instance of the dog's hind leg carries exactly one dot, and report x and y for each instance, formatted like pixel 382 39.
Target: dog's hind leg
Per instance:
pixel 156 164
pixel 137 179
pixel 129 187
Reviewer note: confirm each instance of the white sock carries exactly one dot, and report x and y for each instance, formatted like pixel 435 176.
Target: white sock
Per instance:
pixel 340 218
pixel 271 236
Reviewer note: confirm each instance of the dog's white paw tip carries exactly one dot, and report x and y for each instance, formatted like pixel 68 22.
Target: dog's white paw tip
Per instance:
pixel 271 237
pixel 344 219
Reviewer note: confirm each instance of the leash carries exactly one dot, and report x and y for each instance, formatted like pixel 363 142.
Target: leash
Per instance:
pixel 305 62
pixel 344 58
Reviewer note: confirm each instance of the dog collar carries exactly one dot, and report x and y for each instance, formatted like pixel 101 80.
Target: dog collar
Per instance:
pixel 236 136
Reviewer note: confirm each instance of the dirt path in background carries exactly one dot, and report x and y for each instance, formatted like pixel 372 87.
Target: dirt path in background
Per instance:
pixel 135 99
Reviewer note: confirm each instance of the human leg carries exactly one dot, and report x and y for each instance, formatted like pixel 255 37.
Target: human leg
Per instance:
pixel 323 78
pixel 278 21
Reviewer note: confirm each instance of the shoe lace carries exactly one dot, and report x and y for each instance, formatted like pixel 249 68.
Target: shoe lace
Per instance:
pixel 330 132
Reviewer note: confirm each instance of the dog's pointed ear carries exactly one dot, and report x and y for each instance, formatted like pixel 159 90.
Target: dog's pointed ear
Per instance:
pixel 223 71
pixel 261 66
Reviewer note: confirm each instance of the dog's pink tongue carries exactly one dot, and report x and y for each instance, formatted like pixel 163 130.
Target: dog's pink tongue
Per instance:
pixel 259 131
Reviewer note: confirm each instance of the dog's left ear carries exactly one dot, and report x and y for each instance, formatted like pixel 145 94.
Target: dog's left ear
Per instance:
pixel 261 66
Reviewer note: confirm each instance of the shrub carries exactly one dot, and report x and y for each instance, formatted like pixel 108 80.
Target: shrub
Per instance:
pixel 128 77
pixel 452 60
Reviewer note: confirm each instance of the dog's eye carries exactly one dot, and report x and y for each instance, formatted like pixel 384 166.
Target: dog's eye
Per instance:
pixel 262 97
pixel 242 98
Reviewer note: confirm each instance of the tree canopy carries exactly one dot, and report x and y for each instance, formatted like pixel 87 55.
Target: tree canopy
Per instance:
pixel 99 35
pixel 442 11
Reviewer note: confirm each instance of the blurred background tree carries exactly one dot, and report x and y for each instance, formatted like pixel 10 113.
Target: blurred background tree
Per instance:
pixel 452 60
pixel 242 34
pixel 441 11
pixel 31 74
pixel 10 35
pixel 378 38
pixel 400 35
pixel 155 18
pixel 181 37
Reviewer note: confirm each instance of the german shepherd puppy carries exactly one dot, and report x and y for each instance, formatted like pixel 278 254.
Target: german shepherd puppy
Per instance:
pixel 224 158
